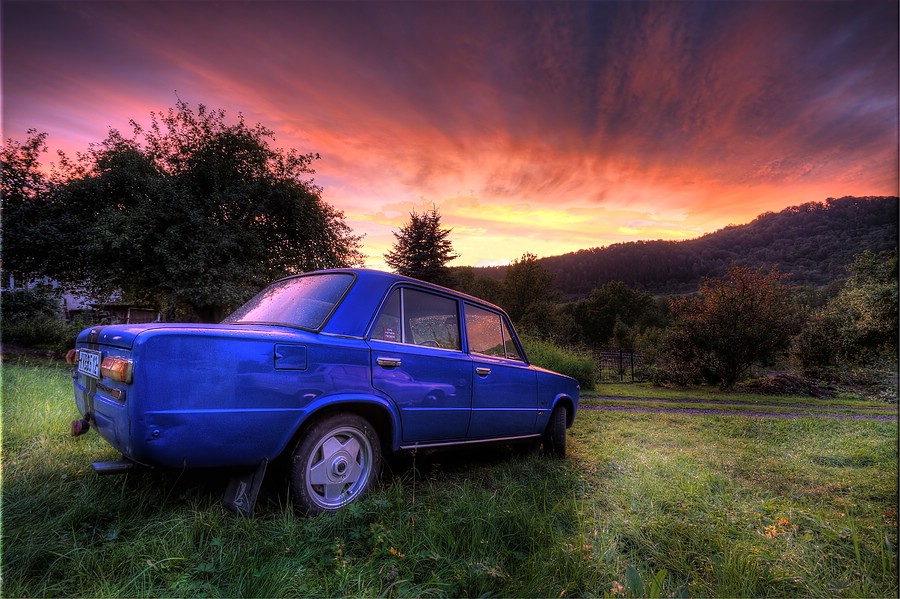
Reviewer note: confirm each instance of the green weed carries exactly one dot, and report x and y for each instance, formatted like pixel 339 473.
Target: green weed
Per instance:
pixel 546 354
pixel 647 505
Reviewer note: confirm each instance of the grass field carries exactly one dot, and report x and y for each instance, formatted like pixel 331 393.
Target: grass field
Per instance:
pixel 646 398
pixel 647 504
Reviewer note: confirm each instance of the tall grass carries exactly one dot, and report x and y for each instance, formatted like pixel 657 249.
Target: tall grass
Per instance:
pixel 551 356
pixel 646 505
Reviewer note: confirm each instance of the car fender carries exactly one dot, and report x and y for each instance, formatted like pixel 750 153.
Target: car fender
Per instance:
pixel 379 410
pixel 562 399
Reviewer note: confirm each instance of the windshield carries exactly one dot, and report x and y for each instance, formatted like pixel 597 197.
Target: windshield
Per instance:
pixel 304 302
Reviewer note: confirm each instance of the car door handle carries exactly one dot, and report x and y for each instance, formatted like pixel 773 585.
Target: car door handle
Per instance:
pixel 481 371
pixel 388 362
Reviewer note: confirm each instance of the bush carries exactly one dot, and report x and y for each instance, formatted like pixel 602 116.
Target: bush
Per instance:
pixel 33 318
pixel 789 384
pixel 547 354
pixel 43 332
pixel 28 303
pixel 747 317
pixel 669 358
pixel 857 327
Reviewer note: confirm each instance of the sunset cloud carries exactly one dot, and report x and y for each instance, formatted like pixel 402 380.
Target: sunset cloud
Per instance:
pixel 544 127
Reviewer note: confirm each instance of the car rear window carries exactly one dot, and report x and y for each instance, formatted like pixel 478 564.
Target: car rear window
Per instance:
pixel 305 302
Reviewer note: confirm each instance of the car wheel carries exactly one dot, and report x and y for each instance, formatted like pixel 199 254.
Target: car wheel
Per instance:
pixel 334 463
pixel 554 439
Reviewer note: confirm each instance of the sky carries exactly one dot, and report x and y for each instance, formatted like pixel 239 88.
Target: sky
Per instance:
pixel 538 127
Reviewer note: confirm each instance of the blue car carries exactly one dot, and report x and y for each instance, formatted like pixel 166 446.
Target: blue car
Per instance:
pixel 330 368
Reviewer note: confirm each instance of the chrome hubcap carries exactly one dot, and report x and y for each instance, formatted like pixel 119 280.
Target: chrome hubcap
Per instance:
pixel 339 467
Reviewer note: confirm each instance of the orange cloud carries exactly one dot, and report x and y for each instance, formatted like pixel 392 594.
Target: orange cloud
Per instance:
pixel 538 127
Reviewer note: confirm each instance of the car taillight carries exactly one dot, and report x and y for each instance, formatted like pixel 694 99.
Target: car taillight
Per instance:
pixel 118 369
pixel 72 357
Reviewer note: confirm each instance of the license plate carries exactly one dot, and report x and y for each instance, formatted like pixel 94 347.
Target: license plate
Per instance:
pixel 89 363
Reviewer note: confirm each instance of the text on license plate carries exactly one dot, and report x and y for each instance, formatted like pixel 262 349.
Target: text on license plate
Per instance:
pixel 89 362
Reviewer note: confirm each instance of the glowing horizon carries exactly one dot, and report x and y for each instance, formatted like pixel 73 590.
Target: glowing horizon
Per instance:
pixel 535 127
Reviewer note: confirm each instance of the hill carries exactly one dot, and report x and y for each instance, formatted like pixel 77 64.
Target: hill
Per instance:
pixel 811 243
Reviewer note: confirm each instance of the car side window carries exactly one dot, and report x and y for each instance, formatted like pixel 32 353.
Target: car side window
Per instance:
pixel 489 334
pixel 485 332
pixel 430 320
pixel 418 318
pixel 388 326
pixel 512 351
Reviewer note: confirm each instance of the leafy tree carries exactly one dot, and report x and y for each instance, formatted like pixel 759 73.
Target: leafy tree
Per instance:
pixel 422 249
pixel 745 318
pixel 466 280
pixel 613 311
pixel 527 286
pixel 22 184
pixel 859 324
pixel 624 336
pixel 545 320
pixel 193 215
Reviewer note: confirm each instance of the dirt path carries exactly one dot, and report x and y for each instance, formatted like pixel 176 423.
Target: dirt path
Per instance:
pixel 745 413
pixel 799 406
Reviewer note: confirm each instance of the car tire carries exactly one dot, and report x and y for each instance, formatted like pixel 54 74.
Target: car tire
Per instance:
pixel 334 464
pixel 554 439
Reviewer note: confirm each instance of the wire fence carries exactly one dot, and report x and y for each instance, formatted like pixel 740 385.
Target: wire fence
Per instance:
pixel 616 365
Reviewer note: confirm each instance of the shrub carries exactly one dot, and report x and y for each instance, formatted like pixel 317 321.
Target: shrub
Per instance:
pixel 669 358
pixel 858 327
pixel 33 318
pixel 28 303
pixel 789 384
pixel 547 354
pixel 747 317
pixel 43 332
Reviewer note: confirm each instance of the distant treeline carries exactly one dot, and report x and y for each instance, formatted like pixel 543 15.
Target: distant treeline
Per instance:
pixel 812 243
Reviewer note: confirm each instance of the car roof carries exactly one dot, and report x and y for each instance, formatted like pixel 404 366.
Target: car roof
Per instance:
pixel 355 311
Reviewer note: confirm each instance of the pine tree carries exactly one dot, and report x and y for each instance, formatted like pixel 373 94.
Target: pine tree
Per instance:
pixel 422 249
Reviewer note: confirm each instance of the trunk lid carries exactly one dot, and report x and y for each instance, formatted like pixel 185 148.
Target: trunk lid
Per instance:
pixel 120 335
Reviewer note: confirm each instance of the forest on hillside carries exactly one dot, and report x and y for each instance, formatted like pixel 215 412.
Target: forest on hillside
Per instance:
pixel 812 244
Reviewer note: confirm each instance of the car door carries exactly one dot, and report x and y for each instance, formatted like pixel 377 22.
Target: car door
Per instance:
pixel 417 360
pixel 504 388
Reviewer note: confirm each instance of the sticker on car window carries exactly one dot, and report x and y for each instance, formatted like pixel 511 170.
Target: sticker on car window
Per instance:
pixel 389 334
